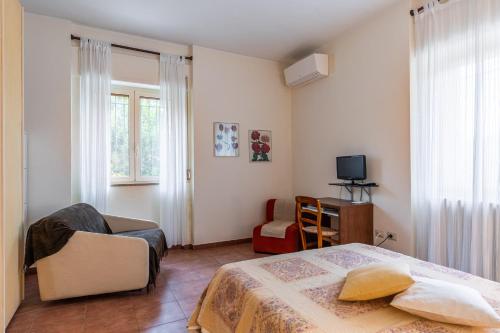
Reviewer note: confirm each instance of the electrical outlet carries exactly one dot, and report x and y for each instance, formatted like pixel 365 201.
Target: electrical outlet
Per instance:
pixel 392 236
pixel 379 233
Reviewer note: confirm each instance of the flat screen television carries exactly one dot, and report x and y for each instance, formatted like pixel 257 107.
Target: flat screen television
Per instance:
pixel 351 167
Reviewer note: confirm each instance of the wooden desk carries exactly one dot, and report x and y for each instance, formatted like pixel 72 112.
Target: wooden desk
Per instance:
pixel 355 221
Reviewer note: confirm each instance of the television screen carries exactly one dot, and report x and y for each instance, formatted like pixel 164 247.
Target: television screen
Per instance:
pixel 351 167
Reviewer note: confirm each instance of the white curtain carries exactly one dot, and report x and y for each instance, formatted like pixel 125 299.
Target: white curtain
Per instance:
pixel 173 151
pixel 95 90
pixel 455 134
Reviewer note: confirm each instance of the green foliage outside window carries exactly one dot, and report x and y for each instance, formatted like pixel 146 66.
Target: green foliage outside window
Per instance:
pixel 150 136
pixel 120 162
pixel 146 138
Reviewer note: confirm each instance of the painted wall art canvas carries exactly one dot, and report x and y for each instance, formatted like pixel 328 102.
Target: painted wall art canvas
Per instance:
pixel 260 145
pixel 226 139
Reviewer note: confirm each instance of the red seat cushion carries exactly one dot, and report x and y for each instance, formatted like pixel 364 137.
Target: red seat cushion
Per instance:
pixel 276 245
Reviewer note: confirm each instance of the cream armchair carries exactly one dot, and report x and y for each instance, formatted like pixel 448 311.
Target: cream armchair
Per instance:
pixel 95 263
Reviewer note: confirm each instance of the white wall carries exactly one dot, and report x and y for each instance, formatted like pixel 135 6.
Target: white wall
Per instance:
pixel 230 192
pixel 361 108
pixel 47 116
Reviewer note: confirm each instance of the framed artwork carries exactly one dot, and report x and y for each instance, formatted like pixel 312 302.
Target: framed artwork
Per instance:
pixel 226 139
pixel 260 145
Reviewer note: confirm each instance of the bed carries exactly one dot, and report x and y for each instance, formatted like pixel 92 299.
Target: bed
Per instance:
pixel 297 293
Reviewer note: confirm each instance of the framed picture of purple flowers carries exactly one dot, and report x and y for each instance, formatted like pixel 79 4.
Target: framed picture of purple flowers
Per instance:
pixel 226 139
pixel 260 145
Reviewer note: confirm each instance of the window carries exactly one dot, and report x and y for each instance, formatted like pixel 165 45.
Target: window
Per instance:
pixel 135 132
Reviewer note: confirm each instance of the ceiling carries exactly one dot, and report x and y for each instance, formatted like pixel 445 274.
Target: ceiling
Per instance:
pixel 272 29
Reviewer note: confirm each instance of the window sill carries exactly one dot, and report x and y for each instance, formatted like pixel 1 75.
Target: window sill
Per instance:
pixel 134 184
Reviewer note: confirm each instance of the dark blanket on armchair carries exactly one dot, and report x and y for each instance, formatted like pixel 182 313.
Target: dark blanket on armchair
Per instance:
pixel 51 233
pixel 157 248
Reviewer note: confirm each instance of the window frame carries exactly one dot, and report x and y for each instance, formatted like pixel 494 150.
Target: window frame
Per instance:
pixel 142 93
pixel 124 91
pixel 134 94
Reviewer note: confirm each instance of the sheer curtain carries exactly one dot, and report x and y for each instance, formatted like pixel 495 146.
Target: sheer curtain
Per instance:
pixel 455 131
pixel 95 91
pixel 173 151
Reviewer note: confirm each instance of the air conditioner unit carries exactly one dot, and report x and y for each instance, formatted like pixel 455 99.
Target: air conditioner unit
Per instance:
pixel 307 70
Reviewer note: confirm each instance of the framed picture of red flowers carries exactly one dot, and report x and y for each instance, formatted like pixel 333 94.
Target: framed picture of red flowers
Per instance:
pixel 226 139
pixel 260 142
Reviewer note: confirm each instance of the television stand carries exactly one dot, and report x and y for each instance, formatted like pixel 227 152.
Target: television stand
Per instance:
pixel 364 187
pixel 353 222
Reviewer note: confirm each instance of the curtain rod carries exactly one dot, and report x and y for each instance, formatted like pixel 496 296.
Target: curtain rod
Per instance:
pixel 73 37
pixel 419 10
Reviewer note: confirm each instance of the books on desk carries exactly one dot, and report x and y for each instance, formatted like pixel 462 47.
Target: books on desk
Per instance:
pixel 326 211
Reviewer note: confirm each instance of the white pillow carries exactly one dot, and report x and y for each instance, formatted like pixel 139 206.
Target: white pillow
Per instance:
pixel 447 302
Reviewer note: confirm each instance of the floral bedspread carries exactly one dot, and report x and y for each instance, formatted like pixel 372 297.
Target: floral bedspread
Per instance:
pixel 297 293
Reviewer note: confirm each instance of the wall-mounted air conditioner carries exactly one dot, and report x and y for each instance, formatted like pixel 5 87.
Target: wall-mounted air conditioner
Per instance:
pixel 307 70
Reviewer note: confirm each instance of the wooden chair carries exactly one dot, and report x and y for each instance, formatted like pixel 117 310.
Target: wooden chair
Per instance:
pixel 309 212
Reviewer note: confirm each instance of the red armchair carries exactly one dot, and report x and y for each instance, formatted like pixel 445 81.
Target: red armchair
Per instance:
pixel 276 245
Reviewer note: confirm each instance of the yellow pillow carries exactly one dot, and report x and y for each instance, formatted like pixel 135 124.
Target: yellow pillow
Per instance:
pixel 375 281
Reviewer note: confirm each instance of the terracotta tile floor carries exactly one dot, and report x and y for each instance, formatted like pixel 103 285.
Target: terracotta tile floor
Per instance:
pixel 184 275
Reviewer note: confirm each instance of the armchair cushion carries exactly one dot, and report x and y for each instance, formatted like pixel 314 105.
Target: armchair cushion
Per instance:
pixel 275 229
